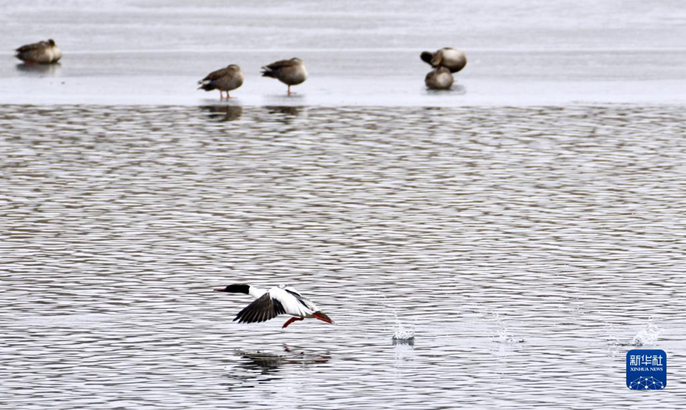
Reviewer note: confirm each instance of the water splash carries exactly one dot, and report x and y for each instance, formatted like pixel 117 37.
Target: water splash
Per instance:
pixel 402 334
pixel 502 333
pixel 647 336
pixel 612 339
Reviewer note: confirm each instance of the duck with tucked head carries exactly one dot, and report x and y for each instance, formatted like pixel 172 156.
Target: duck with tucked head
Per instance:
pixel 224 79
pixel 439 78
pixel 268 304
pixel 448 57
pixel 290 72
pixel 42 52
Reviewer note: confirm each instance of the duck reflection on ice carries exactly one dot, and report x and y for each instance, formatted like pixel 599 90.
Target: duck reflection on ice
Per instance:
pixel 456 89
pixel 252 366
pixel 222 113
pixel 39 69
pixel 284 113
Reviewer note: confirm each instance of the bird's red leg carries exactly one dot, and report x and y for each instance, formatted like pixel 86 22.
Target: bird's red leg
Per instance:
pixel 291 320
pixel 228 95
pixel 289 90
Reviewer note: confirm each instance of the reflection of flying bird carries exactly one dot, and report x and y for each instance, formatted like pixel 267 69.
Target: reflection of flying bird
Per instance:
pixel 448 57
pixel 43 52
pixel 290 72
pixel 225 79
pixel 268 362
pixel 282 300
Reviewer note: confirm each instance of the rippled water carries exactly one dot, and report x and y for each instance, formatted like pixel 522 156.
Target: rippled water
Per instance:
pixel 526 249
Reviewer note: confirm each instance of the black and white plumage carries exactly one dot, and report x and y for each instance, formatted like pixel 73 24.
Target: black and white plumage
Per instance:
pixel 268 304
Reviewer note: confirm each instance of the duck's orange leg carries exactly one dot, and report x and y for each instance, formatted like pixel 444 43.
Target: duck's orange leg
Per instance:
pixel 291 320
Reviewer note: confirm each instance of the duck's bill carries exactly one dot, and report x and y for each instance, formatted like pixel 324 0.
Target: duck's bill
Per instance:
pixel 220 289
pixel 323 317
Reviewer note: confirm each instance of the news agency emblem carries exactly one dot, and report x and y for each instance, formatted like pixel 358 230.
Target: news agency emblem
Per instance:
pixel 646 369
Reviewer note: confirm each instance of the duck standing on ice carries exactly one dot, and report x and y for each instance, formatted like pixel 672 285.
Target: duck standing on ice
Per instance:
pixel 224 79
pixel 268 304
pixel 290 72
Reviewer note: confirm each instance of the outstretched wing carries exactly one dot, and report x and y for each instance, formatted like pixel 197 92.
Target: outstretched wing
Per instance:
pixel 304 302
pixel 261 310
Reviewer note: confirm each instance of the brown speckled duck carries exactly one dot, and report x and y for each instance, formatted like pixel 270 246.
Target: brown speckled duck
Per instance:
pixel 43 52
pixel 225 79
pixel 290 72
pixel 448 57
pixel 440 78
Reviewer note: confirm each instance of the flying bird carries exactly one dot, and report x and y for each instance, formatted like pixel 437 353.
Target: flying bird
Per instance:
pixel 224 79
pixel 268 304
pixel 42 52
pixel 448 57
pixel 290 72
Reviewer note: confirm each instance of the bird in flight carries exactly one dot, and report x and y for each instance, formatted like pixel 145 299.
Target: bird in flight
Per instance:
pixel 268 304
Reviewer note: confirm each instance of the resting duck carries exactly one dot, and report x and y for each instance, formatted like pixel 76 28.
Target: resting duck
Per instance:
pixel 43 52
pixel 225 79
pixel 447 57
pixel 439 78
pixel 268 304
pixel 290 72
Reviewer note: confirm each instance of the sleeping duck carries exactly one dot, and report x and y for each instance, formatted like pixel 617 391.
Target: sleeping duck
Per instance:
pixel 440 78
pixel 43 52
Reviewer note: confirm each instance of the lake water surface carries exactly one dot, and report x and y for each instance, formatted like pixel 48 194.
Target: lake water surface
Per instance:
pixel 527 249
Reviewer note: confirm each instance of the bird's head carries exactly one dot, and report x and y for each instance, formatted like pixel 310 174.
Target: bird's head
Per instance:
pixel 235 288
pixel 234 67
pixel 51 42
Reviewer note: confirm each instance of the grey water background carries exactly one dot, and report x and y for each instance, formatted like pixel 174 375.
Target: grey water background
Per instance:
pixel 526 228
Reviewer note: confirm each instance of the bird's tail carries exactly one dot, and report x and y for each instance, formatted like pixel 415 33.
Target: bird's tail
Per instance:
pixel 207 86
pixel 426 56
pixel 322 316
pixel 267 72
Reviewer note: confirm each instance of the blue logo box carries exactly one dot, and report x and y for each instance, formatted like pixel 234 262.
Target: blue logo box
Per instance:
pixel 646 369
